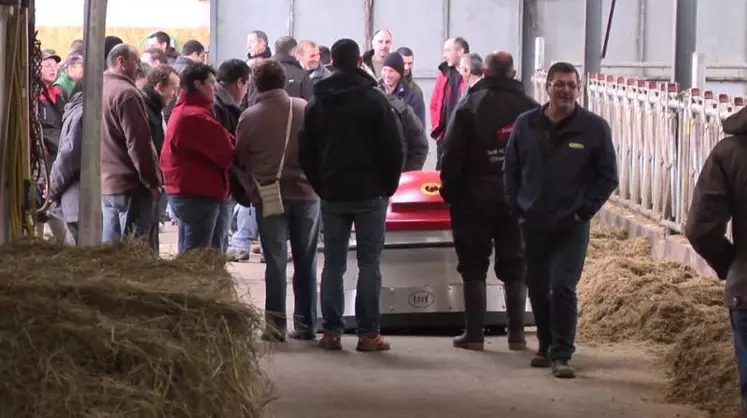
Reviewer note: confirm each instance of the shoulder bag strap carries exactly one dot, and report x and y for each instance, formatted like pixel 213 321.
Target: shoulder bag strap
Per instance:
pixel 287 138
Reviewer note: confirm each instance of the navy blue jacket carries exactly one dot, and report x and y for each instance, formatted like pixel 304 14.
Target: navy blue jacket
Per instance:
pixel 576 178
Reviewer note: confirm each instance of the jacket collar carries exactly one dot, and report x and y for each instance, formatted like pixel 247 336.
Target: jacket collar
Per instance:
pixel 222 95
pixel 118 76
pixel 575 122
pixel 273 94
pixel 194 99
pixel 498 83
pixel 153 99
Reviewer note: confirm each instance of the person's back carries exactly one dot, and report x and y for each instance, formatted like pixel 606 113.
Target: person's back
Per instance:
pixel 350 149
pixel 472 164
pixel 720 196
pixel 351 130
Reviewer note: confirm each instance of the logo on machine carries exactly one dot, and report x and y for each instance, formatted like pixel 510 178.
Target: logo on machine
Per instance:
pixel 421 299
pixel 430 189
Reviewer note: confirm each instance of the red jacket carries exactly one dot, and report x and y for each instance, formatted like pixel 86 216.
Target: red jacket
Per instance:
pixel 441 95
pixel 197 152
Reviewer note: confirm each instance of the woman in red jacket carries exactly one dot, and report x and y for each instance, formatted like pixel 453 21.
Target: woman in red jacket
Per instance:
pixel 195 160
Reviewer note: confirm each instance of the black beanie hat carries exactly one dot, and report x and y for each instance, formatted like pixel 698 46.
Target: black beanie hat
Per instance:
pixel 396 62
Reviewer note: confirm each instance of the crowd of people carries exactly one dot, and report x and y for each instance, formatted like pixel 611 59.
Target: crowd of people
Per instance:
pixel 279 146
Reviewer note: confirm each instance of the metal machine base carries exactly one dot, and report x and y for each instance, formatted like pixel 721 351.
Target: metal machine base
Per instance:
pixel 421 287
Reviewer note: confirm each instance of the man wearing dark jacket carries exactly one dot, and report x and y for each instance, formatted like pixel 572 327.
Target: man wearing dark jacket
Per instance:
pixel 232 82
pixel 560 170
pixel 415 142
pixel 350 149
pixel 161 85
pixel 392 82
pixel 720 196
pixel 472 184
pixel 192 51
pixel 299 83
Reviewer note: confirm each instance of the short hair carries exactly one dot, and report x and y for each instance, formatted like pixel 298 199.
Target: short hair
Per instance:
pixel 269 75
pixel 462 43
pixel 157 54
pixel 325 56
pixel 195 71
pixel 500 64
pixel 120 51
pixel 160 75
pixel 109 43
pixel 345 54
pixel 78 46
pixel 232 71
pixel 405 52
pixel 474 63
pixel 378 31
pixel 192 47
pixel 562 68
pixel 285 44
pixel 162 37
pixel 304 45
pixel 260 35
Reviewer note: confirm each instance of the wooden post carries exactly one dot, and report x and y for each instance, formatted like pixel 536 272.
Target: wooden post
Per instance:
pixel 90 167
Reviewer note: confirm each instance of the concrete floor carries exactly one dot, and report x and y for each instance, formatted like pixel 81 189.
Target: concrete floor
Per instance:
pixel 426 377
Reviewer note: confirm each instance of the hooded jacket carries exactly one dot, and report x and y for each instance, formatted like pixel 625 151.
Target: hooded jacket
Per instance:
pixel 402 90
pixel 720 195
pixel 226 109
pixel 64 177
pixel 298 82
pixel 154 108
pixel 350 145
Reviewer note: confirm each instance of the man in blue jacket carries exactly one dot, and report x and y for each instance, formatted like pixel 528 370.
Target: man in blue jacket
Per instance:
pixel 560 169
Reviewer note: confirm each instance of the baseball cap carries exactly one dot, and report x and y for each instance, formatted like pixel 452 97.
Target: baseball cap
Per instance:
pixel 50 54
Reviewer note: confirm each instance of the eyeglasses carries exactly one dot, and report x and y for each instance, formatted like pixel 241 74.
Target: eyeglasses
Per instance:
pixel 570 85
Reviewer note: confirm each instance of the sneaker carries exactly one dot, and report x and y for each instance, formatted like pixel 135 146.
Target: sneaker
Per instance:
pixel 235 254
pixel 331 342
pixel 373 343
pixel 562 369
pixel 540 360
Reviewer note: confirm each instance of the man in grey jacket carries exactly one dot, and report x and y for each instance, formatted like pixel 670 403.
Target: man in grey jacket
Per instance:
pixel 308 55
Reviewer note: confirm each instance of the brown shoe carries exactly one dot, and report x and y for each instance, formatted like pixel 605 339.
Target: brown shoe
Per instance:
pixel 373 343
pixel 331 342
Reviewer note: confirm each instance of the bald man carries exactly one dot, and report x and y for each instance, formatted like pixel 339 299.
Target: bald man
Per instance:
pixel 373 59
pixel 472 184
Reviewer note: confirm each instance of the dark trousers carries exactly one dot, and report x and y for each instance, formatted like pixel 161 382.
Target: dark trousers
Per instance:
pixel 477 233
pixel 439 153
pixel 555 259
pixel 126 215
pixel 739 328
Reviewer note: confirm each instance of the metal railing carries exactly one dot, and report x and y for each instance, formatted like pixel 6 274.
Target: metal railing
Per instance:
pixel 662 137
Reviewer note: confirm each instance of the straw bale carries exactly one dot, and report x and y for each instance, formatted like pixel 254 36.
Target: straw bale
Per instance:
pixel 117 332
pixel 625 295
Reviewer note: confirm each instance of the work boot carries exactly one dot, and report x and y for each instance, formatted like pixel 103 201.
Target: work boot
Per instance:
pixel 562 369
pixel 540 360
pixel 516 302
pixel 473 337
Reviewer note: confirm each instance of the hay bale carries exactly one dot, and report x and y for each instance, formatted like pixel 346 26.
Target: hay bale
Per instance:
pixel 625 295
pixel 117 332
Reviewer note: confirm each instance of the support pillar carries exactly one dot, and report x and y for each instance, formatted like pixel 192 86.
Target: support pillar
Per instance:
pixel 685 39
pixel 529 34
pixel 592 40
pixel 90 168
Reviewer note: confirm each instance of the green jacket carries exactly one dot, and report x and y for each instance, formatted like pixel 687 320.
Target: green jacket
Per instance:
pixel 65 83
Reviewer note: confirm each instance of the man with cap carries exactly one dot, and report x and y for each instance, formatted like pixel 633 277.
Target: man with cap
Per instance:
pixel 71 72
pixel 392 82
pixel 51 106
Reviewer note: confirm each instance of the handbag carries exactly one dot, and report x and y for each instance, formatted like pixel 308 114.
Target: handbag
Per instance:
pixel 269 195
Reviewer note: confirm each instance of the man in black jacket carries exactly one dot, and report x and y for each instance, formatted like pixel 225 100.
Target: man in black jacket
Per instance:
pixel 350 148
pixel 232 82
pixel 560 170
pixel 299 82
pixel 472 184
pixel 161 86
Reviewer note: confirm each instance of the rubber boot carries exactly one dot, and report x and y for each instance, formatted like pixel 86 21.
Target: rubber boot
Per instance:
pixel 473 337
pixel 516 302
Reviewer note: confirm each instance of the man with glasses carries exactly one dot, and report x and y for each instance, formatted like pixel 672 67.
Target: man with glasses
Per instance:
pixel 560 169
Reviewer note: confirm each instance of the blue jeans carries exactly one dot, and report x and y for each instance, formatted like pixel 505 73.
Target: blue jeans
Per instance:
pixel 739 329
pixel 223 226
pixel 301 222
pixel 554 262
pixel 369 218
pixel 131 214
pixel 198 220
pixel 246 228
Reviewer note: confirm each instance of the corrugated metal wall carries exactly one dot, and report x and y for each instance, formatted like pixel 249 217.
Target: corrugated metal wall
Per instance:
pixel 641 31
